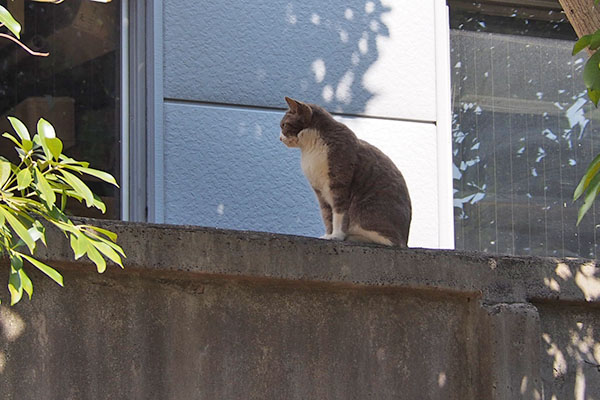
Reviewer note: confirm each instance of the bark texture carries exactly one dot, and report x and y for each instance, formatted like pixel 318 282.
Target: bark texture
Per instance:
pixel 583 15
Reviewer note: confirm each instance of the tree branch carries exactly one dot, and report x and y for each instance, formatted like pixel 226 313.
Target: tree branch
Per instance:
pixel 583 16
pixel 27 49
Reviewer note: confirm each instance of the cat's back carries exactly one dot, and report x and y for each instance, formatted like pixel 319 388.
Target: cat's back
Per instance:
pixel 374 166
pixel 381 201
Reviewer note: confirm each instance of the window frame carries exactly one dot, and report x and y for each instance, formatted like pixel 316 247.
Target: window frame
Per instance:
pixel 142 111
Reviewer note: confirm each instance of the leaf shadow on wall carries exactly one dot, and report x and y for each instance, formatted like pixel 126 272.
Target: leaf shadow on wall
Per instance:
pixel 255 53
pixel 252 55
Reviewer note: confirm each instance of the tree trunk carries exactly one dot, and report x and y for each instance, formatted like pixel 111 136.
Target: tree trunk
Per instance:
pixel 583 15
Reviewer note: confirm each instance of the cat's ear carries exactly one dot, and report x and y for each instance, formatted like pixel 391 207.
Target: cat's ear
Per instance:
pixel 298 107
pixel 292 104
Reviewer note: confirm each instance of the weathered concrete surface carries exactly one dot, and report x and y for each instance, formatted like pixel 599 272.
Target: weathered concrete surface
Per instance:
pixel 209 314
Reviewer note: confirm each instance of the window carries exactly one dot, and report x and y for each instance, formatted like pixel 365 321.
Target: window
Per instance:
pixel 76 88
pixel 523 130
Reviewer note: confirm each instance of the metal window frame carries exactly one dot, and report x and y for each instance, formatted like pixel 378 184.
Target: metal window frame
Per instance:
pixel 141 111
pixel 444 126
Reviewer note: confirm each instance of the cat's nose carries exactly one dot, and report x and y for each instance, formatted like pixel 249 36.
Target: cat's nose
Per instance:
pixel 281 137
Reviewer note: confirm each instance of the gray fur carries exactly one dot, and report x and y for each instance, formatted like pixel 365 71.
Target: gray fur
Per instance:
pixel 364 184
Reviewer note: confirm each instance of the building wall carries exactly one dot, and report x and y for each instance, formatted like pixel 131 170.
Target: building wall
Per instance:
pixel 226 71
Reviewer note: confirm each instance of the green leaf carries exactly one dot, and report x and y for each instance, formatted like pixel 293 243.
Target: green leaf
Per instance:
pixel 27 145
pixel 581 44
pixel 105 176
pixel 79 244
pixel 46 132
pixel 114 246
pixel 4 172
pixel 12 138
pixel 108 252
pixel 8 20
pixel 55 146
pixel 590 196
pixel 16 261
pixel 25 202
pixel 70 161
pixel 46 192
pixel 48 270
pixel 20 128
pixel 26 283
pixel 591 171
pixel 19 228
pixel 45 129
pixel 24 179
pixel 595 41
pixel 97 238
pixel 594 96
pixel 111 235
pixel 72 194
pixel 99 204
pixel 65 226
pixel 591 72
pixel 50 177
pixel 79 187
pixel 95 256
pixel 14 286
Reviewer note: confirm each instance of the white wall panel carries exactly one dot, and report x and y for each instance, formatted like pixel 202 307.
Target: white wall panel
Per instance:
pixel 374 57
pixel 226 167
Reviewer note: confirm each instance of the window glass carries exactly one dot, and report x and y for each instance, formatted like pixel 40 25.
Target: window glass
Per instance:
pixel 76 87
pixel 523 130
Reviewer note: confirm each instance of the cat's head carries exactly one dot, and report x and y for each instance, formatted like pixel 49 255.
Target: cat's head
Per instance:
pixel 297 118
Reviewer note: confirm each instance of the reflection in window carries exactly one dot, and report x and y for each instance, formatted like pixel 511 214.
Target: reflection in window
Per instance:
pixel 76 88
pixel 523 131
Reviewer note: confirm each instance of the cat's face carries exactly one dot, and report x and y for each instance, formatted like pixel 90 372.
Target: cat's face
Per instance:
pixel 290 125
pixel 293 122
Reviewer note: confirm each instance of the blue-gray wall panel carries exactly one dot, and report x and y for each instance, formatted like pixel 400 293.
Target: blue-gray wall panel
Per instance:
pixel 225 167
pixel 257 52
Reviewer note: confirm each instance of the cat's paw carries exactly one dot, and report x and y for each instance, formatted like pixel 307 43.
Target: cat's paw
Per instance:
pixel 334 236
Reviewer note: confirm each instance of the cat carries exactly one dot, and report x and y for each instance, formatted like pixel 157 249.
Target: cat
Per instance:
pixel 362 195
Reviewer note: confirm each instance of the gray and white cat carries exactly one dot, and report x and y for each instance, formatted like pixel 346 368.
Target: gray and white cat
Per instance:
pixel 362 195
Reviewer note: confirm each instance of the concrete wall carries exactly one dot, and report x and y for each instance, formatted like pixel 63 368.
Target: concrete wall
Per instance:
pixel 211 314
pixel 227 68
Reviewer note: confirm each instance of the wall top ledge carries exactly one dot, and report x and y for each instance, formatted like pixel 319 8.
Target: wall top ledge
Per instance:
pixel 211 252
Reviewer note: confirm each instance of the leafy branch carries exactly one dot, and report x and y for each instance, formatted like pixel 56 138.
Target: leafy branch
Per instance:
pixel 37 189
pixel 29 194
pixel 8 21
pixel 589 185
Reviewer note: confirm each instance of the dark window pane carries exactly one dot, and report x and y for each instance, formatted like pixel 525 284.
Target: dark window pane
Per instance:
pixel 76 88
pixel 523 129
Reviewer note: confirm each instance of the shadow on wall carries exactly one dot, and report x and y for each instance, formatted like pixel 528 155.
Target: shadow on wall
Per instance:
pixel 12 327
pixel 338 51
pixel 571 334
pixel 254 53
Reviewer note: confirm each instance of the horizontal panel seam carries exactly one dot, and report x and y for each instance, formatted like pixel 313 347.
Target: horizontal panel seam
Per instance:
pixel 281 109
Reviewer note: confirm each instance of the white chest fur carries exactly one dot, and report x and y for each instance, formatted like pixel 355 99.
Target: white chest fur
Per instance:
pixel 314 162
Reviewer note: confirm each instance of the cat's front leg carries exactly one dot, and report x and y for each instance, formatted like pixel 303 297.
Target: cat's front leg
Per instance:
pixel 340 194
pixel 337 232
pixel 326 214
